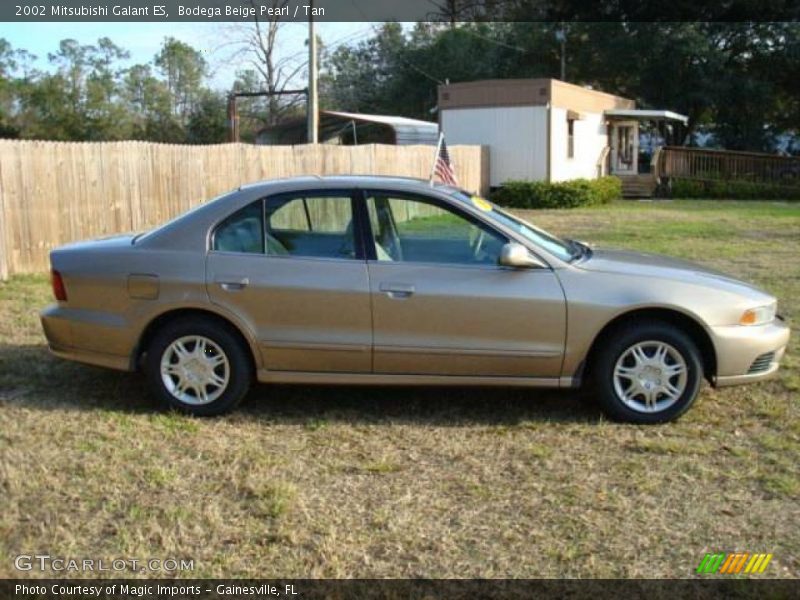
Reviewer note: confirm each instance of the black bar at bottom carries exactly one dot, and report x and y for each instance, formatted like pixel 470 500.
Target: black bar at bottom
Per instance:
pixel 312 589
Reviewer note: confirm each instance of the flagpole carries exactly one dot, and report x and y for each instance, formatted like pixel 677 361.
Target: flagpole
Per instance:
pixel 436 157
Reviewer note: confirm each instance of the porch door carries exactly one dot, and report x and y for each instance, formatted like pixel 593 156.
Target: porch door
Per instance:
pixel 624 147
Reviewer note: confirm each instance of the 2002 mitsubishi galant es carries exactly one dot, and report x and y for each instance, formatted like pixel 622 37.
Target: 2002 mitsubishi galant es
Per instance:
pixel 362 280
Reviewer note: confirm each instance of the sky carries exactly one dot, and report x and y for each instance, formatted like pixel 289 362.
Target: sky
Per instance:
pixel 143 40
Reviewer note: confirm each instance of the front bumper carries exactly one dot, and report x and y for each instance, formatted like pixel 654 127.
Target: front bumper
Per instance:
pixel 739 349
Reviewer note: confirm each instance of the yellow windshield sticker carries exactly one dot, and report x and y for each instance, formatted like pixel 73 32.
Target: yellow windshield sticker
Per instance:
pixel 481 203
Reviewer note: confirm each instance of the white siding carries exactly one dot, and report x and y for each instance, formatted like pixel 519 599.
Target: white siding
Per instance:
pixel 516 137
pixel 590 139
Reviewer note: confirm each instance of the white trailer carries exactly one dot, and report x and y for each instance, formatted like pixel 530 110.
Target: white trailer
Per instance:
pixel 539 129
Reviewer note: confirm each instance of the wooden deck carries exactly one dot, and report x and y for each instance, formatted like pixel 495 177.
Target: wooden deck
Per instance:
pixel 707 164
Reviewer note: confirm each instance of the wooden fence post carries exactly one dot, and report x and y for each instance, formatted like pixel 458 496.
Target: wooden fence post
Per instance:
pixel 3 245
pixel 3 237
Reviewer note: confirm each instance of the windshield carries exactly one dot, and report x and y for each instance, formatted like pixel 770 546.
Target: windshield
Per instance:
pixel 554 245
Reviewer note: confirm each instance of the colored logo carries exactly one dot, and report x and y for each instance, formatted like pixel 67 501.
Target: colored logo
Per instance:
pixel 734 563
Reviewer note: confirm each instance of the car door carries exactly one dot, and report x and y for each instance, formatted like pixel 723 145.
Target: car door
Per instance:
pixel 292 267
pixel 442 304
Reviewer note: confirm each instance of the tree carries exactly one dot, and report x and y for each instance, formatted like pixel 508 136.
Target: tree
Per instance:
pixel 363 78
pixel 207 121
pixel 255 44
pixel 79 100
pixel 149 105
pixel 183 69
pixel 89 95
pixel 7 92
pixel 105 114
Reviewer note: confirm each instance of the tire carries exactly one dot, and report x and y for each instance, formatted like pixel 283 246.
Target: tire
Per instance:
pixel 191 354
pixel 647 372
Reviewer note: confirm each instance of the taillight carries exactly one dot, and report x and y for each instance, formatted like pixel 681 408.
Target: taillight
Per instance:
pixel 59 291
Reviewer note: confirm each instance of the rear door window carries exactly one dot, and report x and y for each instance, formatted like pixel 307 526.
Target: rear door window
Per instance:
pixel 310 226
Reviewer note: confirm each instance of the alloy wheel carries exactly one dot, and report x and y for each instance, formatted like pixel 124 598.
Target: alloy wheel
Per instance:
pixel 195 370
pixel 650 376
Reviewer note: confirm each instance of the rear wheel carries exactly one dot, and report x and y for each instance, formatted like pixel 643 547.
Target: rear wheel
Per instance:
pixel 198 366
pixel 647 372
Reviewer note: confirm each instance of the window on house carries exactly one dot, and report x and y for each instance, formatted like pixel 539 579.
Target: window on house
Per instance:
pixel 570 138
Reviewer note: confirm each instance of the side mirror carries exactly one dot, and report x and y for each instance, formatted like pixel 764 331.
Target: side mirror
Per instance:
pixel 517 256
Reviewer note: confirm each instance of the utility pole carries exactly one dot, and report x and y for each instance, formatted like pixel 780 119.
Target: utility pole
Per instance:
pixel 313 100
pixel 233 120
pixel 561 37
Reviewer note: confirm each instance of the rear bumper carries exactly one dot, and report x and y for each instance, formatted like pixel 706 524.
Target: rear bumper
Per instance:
pixel 738 349
pixel 72 336
pixel 121 363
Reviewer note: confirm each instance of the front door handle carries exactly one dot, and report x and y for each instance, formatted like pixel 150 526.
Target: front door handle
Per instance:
pixel 397 290
pixel 234 286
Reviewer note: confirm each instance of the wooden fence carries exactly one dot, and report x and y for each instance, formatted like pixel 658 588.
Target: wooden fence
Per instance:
pixel 709 165
pixel 52 193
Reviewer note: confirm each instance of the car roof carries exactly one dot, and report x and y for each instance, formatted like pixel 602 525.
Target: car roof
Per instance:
pixel 332 181
pixel 178 232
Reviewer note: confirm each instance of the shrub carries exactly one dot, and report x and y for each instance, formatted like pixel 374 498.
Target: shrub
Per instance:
pixel 563 194
pixel 606 189
pixel 731 190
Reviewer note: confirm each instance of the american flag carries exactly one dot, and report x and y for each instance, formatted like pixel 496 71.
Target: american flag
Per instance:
pixel 443 168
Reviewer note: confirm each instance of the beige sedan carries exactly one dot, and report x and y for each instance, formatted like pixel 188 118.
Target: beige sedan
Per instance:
pixel 369 280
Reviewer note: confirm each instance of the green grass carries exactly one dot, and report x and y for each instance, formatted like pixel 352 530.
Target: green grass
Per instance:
pixel 384 482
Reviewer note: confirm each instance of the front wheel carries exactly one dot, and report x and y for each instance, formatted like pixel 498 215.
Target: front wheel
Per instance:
pixel 647 373
pixel 198 366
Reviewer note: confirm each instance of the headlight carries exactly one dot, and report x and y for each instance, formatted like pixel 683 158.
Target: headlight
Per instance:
pixel 758 315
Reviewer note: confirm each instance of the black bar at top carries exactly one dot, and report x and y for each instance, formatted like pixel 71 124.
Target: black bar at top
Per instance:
pixel 399 10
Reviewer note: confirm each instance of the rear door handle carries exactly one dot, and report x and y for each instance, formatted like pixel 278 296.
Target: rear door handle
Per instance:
pixel 233 286
pixel 397 290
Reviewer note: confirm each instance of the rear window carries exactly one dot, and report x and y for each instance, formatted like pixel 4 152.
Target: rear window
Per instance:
pixel 243 231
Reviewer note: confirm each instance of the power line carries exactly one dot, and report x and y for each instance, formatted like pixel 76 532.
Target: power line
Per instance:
pixel 490 40
pixel 403 60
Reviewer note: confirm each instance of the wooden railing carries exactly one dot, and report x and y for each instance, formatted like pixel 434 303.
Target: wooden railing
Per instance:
pixel 602 162
pixel 710 165
pixel 655 163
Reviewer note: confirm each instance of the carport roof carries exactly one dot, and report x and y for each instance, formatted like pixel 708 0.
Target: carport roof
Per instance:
pixel 407 131
pixel 646 115
pixel 401 130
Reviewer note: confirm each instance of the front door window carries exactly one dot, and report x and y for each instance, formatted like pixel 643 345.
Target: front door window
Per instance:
pixel 416 229
pixel 624 148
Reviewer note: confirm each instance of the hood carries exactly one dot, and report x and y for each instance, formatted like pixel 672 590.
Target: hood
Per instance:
pixel 641 264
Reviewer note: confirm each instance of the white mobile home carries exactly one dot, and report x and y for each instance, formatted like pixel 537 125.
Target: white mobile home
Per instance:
pixel 545 129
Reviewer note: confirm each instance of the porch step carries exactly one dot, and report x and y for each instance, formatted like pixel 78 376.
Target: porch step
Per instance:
pixel 638 186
